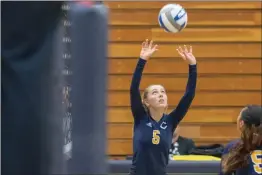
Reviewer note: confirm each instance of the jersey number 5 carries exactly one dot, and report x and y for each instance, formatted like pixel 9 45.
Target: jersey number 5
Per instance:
pixel 156 137
pixel 256 158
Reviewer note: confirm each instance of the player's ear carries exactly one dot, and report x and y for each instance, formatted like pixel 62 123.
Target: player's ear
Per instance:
pixel 145 102
pixel 241 124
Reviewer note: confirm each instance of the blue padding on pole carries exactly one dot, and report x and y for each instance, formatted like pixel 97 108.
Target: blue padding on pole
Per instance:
pixel 89 66
pixel 123 166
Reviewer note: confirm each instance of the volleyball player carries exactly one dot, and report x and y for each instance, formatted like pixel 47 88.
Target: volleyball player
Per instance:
pixel 153 129
pixel 244 156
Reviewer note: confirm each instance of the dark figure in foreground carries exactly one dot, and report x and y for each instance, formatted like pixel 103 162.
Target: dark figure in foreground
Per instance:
pixel 244 156
pixel 30 127
pixel 153 129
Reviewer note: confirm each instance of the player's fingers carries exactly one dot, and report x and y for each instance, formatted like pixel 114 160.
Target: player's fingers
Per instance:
pixel 155 47
pixel 150 44
pixel 180 49
pixel 181 53
pixel 143 44
pixel 191 49
pixel 186 54
pixel 185 48
pixel 146 43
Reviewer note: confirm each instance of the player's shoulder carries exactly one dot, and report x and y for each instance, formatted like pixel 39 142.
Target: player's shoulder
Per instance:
pixel 259 148
pixel 166 118
pixel 257 151
pixel 233 142
pixel 230 145
pixel 143 120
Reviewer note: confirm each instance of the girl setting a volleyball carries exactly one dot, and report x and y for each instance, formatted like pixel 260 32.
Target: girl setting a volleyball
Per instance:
pixel 153 128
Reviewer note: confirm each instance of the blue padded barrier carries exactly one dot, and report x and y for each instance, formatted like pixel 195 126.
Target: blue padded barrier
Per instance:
pixel 174 167
pixel 89 79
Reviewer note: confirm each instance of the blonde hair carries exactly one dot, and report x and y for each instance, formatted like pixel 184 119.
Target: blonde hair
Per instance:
pixel 144 97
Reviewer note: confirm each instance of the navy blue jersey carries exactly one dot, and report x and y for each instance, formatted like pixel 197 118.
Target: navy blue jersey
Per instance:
pixel 28 85
pixel 152 139
pixel 25 25
pixel 254 166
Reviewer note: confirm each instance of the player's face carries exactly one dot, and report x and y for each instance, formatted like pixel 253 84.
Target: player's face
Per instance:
pixel 156 97
pixel 240 122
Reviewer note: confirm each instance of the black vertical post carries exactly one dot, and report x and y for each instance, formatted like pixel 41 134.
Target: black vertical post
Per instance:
pixel 89 51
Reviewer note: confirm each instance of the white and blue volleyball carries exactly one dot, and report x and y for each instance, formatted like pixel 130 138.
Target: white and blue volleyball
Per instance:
pixel 172 18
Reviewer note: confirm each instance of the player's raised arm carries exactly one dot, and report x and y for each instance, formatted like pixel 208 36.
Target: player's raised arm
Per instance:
pixel 177 114
pixel 136 102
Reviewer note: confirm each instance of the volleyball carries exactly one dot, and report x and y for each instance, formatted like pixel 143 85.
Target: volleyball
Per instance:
pixel 172 18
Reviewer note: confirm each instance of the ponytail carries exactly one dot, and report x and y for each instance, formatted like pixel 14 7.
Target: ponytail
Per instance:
pixel 238 156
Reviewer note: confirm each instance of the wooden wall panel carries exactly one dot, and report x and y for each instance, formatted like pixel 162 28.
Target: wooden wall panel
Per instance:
pixel 194 115
pixel 189 5
pixel 215 18
pixel 175 66
pixel 201 50
pixel 204 99
pixel 174 82
pixel 188 35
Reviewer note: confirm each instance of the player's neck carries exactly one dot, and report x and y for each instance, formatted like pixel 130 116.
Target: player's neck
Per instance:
pixel 157 114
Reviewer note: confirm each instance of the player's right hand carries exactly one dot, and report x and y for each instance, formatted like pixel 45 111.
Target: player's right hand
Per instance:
pixel 148 49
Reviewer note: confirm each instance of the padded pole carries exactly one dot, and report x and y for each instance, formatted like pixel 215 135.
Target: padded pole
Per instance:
pixel 89 66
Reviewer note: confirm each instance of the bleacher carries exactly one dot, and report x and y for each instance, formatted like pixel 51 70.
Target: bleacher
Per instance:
pixel 226 39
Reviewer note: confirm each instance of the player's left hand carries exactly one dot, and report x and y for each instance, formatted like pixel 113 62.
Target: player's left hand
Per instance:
pixel 187 54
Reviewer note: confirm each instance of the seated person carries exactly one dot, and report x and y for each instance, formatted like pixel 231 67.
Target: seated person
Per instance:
pixel 180 145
